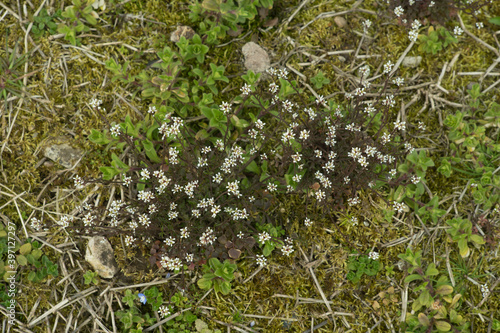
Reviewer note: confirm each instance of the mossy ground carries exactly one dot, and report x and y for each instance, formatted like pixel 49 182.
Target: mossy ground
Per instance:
pixel 56 105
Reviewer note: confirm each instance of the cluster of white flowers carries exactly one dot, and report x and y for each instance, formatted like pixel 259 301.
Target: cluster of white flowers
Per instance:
pixel 129 240
pixel 457 31
pixel 152 109
pixel 170 241
pixel 245 90
pixel 171 264
pixel 88 219
pixel 264 236
pixel 235 157
pixel 78 181
pixel 145 196
pixel 485 290
pixel 171 129
pixel 413 34
pixel 95 103
pixel 415 179
pixel 164 311
pixel 190 187
pixel 36 224
pixel 373 255
pixel 237 214
pixel 399 206
pixel 399 11
pixel 207 238
pixel 126 180
pixel 145 175
pixel 144 220
pixel 261 260
pixel 225 107
pixel 233 188
pixel 353 201
pixel 388 67
pixel 308 222
pixel 400 125
pixel 398 81
pixel 366 24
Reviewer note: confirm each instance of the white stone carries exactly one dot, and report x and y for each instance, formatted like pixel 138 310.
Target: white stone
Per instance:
pixel 100 255
pixel 256 58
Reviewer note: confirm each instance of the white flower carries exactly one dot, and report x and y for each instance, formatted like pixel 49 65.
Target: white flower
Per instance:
pixel 261 260
pixel 217 178
pixel 373 255
pixel 170 241
pixel 287 249
pixel 272 187
pixel 388 66
pixel 413 35
pixel 399 11
pixel 304 134
pixel 144 174
pixel 400 125
pixel 264 236
pixel 78 182
pixel 225 107
pixel 366 24
pixel 416 24
pixel 479 25
pixel 485 290
pixel 245 90
pixel 115 130
pixel 308 222
pixel 152 109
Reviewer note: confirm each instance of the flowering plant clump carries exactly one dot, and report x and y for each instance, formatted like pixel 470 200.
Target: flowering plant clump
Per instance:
pixel 433 12
pixel 195 191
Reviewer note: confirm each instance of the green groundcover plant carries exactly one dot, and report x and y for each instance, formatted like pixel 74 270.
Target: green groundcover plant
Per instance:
pixel 192 184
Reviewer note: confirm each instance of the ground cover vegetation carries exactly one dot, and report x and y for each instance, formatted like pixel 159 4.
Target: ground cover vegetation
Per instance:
pixel 339 190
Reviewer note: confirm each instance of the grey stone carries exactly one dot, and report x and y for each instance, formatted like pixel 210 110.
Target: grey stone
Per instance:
pixel 182 31
pixel 256 58
pixel 412 62
pixel 63 154
pixel 100 255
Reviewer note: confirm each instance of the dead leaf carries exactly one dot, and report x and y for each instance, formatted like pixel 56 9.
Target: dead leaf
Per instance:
pixel 376 305
pixel 271 22
pixel 315 186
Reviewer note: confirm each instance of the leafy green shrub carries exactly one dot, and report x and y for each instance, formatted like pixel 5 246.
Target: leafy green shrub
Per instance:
pixel 78 14
pixel 436 40
pixel 474 148
pixel 29 258
pixel 45 23
pixel 461 232
pixel 217 17
pixel 217 274
pixel 436 308
pixel 361 265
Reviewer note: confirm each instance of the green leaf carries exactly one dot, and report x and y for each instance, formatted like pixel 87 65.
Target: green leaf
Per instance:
pixel 477 239
pixel 22 260
pixel 150 151
pixel 25 248
pixel 108 172
pixel 412 277
pixel 225 287
pixel 444 290
pixel 431 270
pixel 442 326
pixel 118 164
pixel 204 284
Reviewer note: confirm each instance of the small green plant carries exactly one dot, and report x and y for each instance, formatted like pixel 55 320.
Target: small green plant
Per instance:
pixel 320 80
pixel 11 71
pixel 78 14
pixel 202 327
pixel 91 277
pixel 217 274
pixel 435 308
pixel 30 259
pixel 436 40
pixel 271 234
pixel 461 232
pixel 44 23
pixel 217 16
pixel 133 320
pixel 361 265
pixel 474 148
pixel 182 324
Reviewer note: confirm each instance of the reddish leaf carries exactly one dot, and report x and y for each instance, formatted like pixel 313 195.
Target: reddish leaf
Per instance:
pixel 234 253
pixel 271 23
